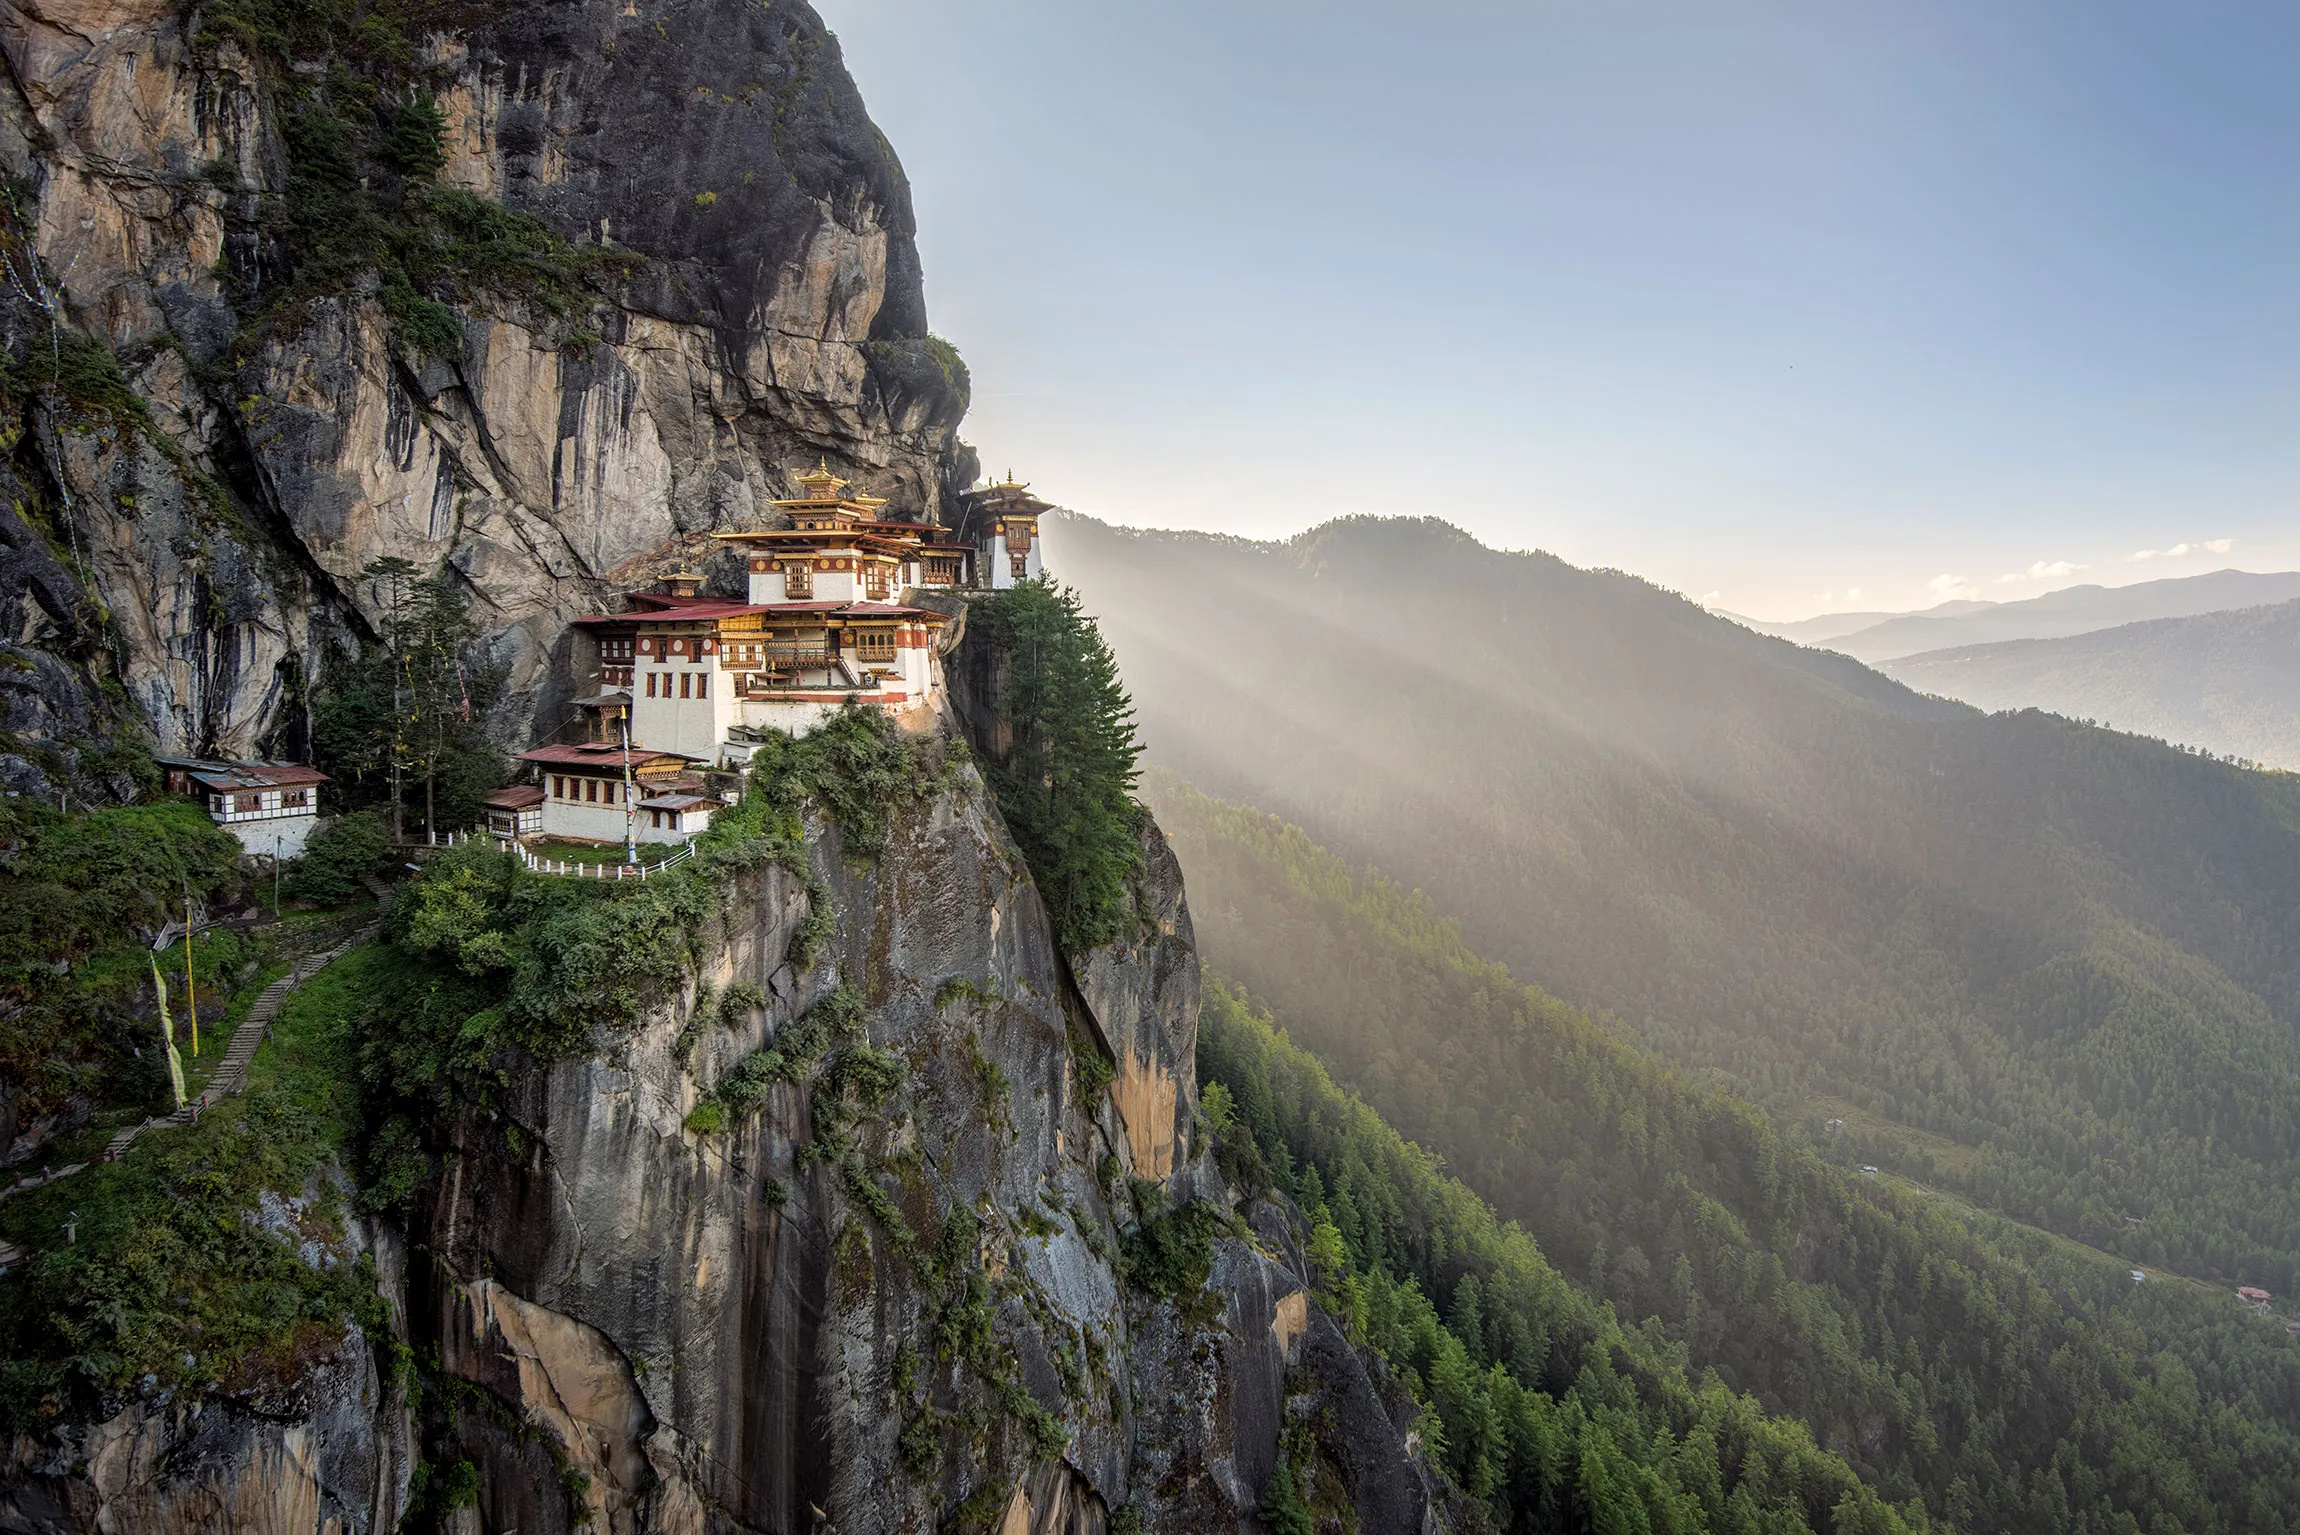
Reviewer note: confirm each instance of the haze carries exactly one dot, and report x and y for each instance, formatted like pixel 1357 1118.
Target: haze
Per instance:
pixel 1789 307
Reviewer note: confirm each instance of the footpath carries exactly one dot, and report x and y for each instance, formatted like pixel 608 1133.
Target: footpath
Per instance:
pixel 231 1076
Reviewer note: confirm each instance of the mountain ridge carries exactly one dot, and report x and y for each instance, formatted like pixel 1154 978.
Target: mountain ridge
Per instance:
pixel 2226 682
pixel 2021 934
pixel 2070 611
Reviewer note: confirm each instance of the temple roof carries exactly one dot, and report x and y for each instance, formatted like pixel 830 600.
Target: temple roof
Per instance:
pixel 601 756
pixel 709 612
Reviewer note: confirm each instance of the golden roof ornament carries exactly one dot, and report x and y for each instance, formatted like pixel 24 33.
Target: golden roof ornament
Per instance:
pixel 821 484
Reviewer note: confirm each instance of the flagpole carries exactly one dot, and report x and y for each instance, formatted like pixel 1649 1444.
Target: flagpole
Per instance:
pixel 630 809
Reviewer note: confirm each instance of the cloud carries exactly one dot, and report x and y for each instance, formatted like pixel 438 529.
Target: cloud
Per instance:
pixel 2042 570
pixel 1953 589
pixel 1710 599
pixel 2207 546
pixel 1852 594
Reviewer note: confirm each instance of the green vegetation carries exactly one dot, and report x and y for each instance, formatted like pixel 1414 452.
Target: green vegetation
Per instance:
pixel 1995 1379
pixel 75 987
pixel 1540 1403
pixel 1065 779
pixel 342 856
pixel 363 135
pixel 2073 953
pixel 170 1276
pixel 861 769
pixel 545 965
pixel 838 1018
pixel 411 711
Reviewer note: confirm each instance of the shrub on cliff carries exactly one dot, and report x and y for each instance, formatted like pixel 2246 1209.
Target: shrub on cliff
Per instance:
pixel 1066 781
pixel 341 856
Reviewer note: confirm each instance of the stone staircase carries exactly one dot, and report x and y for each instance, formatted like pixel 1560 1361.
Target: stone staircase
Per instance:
pixel 232 1074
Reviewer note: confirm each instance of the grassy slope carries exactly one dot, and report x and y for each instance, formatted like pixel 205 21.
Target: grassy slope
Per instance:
pixel 169 1277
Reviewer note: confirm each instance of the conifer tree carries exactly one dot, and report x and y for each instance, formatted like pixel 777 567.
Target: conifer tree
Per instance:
pixel 1067 777
pixel 412 707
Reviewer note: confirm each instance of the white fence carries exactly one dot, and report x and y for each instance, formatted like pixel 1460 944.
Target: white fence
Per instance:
pixel 537 864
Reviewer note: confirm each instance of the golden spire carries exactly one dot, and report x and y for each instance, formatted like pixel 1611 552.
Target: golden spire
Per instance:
pixel 821 484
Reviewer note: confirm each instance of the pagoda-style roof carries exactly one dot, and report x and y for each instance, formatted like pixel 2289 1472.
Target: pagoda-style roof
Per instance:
pixel 683 613
pixel 712 612
pixel 825 496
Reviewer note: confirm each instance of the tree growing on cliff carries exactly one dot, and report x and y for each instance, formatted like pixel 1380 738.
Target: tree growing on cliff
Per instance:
pixel 412 707
pixel 1066 781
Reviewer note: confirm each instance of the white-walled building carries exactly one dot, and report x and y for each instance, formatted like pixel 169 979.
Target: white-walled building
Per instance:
pixel 601 792
pixel 1000 524
pixel 833 615
pixel 272 807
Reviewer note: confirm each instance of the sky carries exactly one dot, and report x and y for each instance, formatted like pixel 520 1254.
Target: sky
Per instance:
pixel 1791 307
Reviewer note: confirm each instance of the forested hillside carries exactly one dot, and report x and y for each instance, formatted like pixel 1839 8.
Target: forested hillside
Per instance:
pixel 2227 683
pixel 2052 967
pixel 2010 1383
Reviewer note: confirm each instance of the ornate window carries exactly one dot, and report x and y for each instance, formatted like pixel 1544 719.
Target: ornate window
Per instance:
pixel 874 644
pixel 798 579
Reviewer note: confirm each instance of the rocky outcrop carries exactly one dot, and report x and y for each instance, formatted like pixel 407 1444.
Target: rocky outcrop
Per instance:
pixel 891 1322
pixel 322 1446
pixel 767 311
pixel 914 1283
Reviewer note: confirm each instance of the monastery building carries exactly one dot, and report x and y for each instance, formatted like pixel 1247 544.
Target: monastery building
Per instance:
pixel 684 682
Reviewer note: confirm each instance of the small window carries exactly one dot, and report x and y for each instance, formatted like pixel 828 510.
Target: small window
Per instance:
pixel 650 684
pixel 244 803
pixel 295 799
pixel 591 791
pixel 703 685
pixel 686 684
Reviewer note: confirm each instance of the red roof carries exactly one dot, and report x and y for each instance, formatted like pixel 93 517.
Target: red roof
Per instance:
pixel 886 610
pixel 684 613
pixel 226 776
pixel 603 757
pixel 520 796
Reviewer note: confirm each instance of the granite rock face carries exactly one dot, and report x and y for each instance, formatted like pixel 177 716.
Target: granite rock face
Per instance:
pixel 734 1331
pixel 913 1314
pixel 326 1449
pixel 771 315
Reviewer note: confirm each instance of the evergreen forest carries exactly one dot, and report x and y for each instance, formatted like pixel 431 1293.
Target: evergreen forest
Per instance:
pixel 1997 1377
pixel 2051 969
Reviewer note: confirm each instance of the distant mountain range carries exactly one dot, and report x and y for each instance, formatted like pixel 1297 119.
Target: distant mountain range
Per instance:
pixel 2029 939
pixel 2228 682
pixel 1875 637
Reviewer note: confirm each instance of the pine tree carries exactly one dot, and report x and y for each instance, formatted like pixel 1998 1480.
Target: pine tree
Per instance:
pixel 1066 784
pixel 412 706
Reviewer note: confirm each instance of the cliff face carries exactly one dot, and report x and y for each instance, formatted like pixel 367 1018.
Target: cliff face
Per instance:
pixel 764 310
pixel 939 1306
